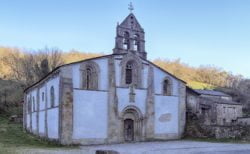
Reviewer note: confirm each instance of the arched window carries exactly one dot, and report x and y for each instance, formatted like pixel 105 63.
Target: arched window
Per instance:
pixel 126 41
pixel 52 97
pixel 167 87
pixel 89 76
pixel 136 42
pixel 34 105
pixel 90 79
pixel 129 72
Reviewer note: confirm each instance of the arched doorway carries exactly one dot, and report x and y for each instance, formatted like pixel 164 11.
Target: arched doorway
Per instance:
pixel 132 124
pixel 128 130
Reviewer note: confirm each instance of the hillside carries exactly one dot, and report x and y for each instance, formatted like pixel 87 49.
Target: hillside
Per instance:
pixel 20 68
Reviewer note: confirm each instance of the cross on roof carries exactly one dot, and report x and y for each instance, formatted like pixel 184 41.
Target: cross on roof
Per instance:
pixel 130 7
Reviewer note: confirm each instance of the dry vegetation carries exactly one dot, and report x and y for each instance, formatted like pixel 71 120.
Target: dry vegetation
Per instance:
pixel 20 68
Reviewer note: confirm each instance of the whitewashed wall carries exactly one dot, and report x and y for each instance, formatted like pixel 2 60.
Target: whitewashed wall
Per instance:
pixel 166 106
pixel 103 74
pixel 53 115
pixel 123 99
pixel 33 95
pixel 159 76
pixel 42 102
pixel 90 114
pixel 53 121
pixel 55 83
pixel 34 121
pixel 28 121
pixel 42 123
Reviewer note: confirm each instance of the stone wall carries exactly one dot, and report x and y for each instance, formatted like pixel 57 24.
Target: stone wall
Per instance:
pixel 243 120
pixel 227 114
pixel 195 128
pixel 213 111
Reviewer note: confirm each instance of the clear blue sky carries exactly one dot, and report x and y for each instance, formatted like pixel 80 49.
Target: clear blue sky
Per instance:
pixel 199 32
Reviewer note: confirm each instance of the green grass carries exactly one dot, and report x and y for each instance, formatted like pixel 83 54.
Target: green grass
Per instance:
pixel 13 136
pixel 200 85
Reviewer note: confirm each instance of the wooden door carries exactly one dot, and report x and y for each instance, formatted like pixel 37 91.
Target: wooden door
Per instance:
pixel 128 130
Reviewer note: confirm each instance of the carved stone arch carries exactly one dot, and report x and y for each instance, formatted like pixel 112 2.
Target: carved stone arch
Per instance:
pixel 136 73
pixel 133 109
pixel 167 86
pixel 133 114
pixel 89 75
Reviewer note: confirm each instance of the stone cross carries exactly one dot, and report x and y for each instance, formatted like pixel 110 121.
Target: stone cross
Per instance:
pixel 130 7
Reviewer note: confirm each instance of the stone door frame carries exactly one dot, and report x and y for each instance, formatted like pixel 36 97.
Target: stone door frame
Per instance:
pixel 133 113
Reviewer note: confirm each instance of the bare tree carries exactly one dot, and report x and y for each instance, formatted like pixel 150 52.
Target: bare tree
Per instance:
pixel 29 67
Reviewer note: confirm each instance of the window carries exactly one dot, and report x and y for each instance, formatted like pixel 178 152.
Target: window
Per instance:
pixel 34 106
pixel 136 42
pixel 89 76
pixel 29 105
pixel 43 96
pixel 129 72
pixel 52 97
pixel 126 41
pixel 167 87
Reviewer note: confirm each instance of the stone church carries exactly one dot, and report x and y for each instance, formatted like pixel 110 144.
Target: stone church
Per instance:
pixel 116 98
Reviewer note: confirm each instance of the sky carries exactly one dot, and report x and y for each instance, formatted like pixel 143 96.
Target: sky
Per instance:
pixel 199 32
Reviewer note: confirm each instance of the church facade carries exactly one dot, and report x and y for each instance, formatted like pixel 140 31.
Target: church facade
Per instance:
pixel 121 97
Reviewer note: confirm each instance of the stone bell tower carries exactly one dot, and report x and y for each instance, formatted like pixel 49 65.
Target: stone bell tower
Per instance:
pixel 130 37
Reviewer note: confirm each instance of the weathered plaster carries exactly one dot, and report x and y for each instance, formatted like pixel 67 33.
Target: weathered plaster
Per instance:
pixel 113 122
pixel 150 110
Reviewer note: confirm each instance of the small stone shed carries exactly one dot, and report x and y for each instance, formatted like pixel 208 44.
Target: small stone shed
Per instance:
pixel 214 107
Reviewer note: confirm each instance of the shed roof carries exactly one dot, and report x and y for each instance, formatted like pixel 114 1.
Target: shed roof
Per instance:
pixel 222 101
pixel 189 89
pixel 212 93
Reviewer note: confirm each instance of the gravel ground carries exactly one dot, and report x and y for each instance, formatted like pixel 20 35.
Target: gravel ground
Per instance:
pixel 174 147
pixel 170 147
